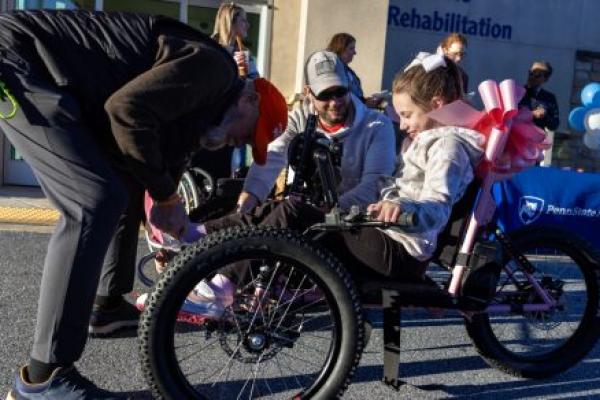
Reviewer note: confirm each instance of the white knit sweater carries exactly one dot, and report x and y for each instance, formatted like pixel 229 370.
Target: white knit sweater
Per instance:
pixel 437 168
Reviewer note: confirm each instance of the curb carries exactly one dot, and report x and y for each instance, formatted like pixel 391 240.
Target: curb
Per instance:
pixel 29 216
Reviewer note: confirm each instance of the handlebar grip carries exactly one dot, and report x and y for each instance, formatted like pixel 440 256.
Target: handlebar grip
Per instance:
pixel 407 220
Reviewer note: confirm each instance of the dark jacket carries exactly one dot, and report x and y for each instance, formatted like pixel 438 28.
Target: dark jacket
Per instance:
pixel 354 83
pixel 542 98
pixel 465 79
pixel 148 86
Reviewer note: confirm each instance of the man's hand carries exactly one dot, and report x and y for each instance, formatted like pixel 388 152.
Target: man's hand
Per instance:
pixel 384 211
pixel 539 113
pixel 169 216
pixel 246 202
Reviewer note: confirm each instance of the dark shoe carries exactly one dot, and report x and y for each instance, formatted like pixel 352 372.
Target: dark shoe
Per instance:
pixel 104 322
pixel 63 384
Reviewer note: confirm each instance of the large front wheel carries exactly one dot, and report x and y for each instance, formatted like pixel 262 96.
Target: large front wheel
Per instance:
pixel 292 330
pixel 540 344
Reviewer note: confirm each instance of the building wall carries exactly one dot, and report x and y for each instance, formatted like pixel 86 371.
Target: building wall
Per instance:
pixel 551 30
pixel 284 44
pixel 303 26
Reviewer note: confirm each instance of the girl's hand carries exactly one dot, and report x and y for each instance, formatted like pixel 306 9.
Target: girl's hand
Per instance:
pixel 373 210
pixel 385 211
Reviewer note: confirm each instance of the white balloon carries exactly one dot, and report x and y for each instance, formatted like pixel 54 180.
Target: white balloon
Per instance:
pixel 592 139
pixel 591 119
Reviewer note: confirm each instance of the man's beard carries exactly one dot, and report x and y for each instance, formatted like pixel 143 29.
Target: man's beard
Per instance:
pixel 214 139
pixel 340 118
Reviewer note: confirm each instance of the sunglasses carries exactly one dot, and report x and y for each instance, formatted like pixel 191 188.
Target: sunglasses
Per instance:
pixel 537 74
pixel 457 53
pixel 332 94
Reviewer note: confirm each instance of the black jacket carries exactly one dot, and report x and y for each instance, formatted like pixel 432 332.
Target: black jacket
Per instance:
pixel 148 86
pixel 542 98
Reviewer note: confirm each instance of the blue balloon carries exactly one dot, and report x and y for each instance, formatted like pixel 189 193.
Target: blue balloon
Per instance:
pixel 576 118
pixel 590 95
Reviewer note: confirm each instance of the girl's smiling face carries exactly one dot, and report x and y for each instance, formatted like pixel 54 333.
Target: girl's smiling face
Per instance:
pixel 413 118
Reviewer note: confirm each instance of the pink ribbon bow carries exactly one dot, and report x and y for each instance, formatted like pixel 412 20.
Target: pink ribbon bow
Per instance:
pixel 513 142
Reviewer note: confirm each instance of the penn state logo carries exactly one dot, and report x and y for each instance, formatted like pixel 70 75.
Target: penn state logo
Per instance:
pixel 530 209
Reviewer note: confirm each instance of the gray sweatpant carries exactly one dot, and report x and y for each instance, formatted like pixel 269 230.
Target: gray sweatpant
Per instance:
pixel 100 210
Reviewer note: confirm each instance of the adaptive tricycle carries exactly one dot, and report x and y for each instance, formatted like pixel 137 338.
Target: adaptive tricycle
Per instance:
pixel 296 327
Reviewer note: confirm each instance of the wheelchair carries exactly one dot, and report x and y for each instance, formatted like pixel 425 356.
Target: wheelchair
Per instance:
pixel 296 327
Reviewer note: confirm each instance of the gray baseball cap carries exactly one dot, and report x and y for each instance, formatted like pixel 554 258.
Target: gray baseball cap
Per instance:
pixel 325 70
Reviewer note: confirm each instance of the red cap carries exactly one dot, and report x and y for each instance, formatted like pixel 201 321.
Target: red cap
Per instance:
pixel 272 118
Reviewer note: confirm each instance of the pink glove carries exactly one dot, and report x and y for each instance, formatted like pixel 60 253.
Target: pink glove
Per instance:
pixel 169 216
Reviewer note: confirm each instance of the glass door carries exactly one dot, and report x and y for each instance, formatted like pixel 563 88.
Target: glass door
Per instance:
pixel 16 170
pixel 49 4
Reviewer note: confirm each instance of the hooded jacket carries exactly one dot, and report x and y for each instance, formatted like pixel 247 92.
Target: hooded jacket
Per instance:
pixel 437 168
pixel 368 154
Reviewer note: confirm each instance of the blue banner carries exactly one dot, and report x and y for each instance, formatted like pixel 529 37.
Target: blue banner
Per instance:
pixel 551 196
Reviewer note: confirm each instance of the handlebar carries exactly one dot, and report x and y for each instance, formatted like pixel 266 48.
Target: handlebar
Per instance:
pixel 354 220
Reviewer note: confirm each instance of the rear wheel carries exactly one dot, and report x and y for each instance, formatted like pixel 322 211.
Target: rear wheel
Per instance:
pixel 539 344
pixel 294 329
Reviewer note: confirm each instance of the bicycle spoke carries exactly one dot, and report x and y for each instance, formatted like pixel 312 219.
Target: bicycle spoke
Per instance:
pixel 299 359
pixel 198 351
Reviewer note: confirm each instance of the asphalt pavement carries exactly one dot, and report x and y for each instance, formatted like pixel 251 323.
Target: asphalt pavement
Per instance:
pixel 438 360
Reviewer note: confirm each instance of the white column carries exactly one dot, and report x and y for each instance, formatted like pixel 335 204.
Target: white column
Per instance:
pixel 183 11
pixel 263 56
pixel 99 5
pixel 299 84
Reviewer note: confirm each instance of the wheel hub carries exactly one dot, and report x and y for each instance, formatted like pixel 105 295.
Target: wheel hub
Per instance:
pixel 256 342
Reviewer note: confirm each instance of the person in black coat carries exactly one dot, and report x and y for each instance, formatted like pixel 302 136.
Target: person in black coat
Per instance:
pixel 541 102
pixel 110 106
pixel 454 46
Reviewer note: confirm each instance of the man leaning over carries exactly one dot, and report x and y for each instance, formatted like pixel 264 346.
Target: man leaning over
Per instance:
pixel 111 105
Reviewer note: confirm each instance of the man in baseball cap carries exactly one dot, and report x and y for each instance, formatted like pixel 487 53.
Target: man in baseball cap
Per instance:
pixel 324 71
pixel 327 88
pixel 341 115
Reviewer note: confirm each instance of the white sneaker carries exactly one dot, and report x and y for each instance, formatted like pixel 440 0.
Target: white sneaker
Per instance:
pixel 209 299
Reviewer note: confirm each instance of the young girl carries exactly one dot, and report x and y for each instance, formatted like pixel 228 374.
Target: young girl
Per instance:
pixel 437 166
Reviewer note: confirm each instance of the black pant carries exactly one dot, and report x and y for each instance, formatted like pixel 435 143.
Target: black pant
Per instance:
pixel 280 214
pixel 100 212
pixel 363 253
pixel 370 253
